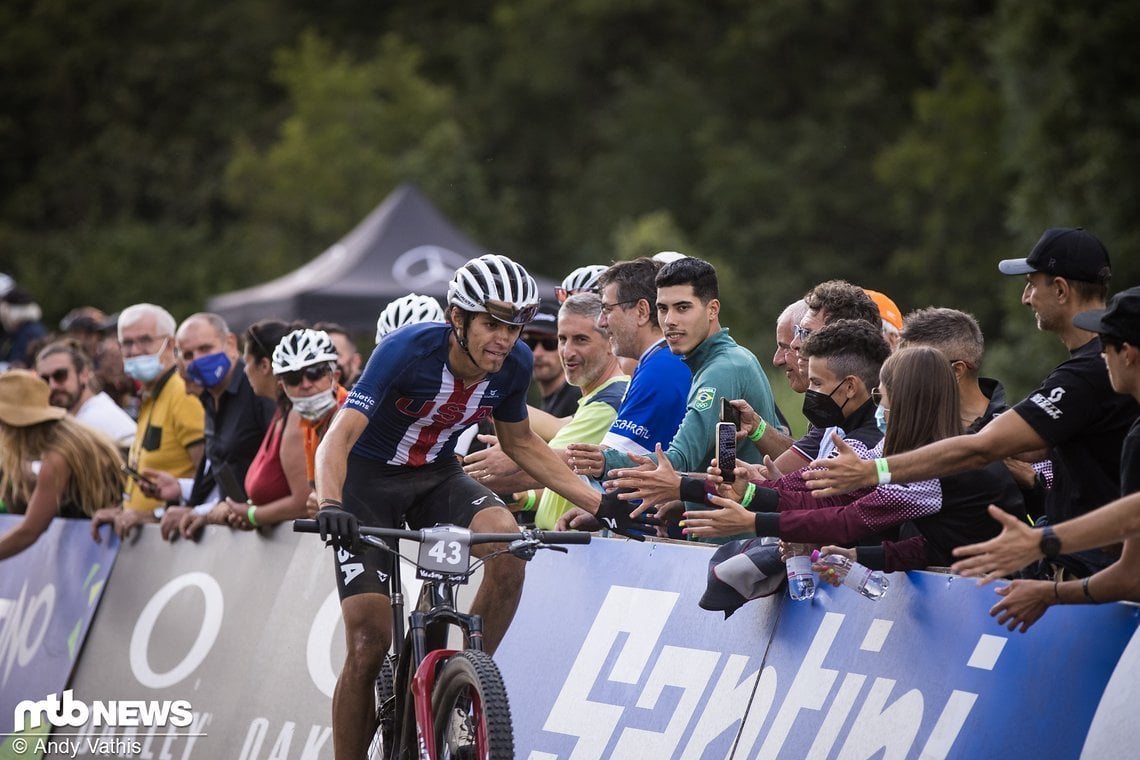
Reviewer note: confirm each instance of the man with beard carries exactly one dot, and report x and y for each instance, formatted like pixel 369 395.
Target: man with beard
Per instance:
pixel 67 371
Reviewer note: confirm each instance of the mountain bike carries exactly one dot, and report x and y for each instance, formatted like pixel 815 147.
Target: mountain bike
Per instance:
pixel 433 702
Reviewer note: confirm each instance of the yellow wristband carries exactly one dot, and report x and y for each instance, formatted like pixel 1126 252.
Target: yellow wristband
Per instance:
pixel 883 470
pixel 749 492
pixel 758 433
pixel 250 515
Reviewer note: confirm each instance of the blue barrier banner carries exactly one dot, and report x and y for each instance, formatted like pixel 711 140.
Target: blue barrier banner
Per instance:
pixel 48 595
pixel 610 657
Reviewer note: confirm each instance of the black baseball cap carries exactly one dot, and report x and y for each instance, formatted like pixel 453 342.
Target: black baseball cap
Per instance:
pixel 1070 252
pixel 1120 320
pixel 545 321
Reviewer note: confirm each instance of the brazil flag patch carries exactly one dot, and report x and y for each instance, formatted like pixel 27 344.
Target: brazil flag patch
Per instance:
pixel 705 398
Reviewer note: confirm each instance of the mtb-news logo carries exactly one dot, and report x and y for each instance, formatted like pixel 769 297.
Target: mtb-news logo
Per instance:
pixel 64 711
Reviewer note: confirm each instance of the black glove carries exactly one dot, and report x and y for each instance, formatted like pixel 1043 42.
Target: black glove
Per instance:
pixel 338 528
pixel 613 513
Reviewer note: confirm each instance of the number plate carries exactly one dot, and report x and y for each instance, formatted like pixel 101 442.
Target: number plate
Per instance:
pixel 444 550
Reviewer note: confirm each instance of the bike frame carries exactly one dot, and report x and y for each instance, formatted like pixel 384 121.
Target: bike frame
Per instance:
pixel 425 657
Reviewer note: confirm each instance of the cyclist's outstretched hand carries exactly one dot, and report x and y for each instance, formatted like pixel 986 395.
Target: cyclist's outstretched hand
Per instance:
pixel 338 527
pixel 614 513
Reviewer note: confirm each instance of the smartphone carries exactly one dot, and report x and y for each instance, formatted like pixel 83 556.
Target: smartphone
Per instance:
pixel 729 413
pixel 132 472
pixel 228 483
pixel 726 450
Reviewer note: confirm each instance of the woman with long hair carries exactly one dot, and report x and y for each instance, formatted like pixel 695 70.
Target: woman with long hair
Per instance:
pixel 79 470
pixel 918 404
pixel 276 484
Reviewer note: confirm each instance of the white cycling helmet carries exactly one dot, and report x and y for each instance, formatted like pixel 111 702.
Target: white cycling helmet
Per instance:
pixel 408 310
pixel 497 286
pixel 303 348
pixel 581 280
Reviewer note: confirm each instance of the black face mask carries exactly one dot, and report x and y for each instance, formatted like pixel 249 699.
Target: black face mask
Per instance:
pixel 821 410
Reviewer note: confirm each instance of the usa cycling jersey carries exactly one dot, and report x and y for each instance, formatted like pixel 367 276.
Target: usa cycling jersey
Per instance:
pixel 417 408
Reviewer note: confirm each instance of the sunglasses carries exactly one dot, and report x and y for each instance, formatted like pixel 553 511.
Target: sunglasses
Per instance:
pixel 505 312
pixel 548 343
pixel 58 376
pixel 312 374
pixel 801 332
pixel 877 397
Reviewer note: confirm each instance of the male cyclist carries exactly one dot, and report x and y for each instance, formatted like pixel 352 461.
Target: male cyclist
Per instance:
pixel 388 459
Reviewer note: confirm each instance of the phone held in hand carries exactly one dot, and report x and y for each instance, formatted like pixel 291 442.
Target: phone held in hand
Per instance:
pixel 138 476
pixel 726 450
pixel 729 413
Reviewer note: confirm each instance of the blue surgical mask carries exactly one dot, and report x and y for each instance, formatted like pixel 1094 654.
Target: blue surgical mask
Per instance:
pixel 881 419
pixel 147 367
pixel 208 371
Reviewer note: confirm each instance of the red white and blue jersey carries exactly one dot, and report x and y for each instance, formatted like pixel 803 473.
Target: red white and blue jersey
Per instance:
pixel 417 408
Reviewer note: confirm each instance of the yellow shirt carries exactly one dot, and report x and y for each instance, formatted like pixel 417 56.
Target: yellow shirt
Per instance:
pixel 170 421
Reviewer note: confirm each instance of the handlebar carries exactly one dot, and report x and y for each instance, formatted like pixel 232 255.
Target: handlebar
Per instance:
pixel 542 536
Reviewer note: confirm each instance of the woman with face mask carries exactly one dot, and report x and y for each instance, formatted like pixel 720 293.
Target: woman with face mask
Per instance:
pixel 275 484
pixel 917 400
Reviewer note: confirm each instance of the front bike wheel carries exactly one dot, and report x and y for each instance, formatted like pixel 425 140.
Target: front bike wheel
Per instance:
pixel 470 710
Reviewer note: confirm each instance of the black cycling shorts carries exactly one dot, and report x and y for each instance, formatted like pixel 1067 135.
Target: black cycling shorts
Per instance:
pixel 388 496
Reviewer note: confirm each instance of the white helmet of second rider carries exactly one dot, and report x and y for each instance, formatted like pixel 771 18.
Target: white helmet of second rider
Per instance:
pixel 408 310
pixel 303 348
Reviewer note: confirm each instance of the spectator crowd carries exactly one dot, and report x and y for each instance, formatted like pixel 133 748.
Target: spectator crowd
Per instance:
pixel 913 458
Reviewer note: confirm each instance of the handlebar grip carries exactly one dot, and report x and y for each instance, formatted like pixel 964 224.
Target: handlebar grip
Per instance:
pixel 563 536
pixel 305 526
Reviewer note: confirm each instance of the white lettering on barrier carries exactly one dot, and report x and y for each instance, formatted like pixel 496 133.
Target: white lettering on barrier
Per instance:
pixel 207 632
pixel 881 727
pixel 259 728
pixel 318 647
pixel 18 643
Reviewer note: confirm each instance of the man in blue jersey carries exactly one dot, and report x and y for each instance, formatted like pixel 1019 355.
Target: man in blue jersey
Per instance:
pixel 388 458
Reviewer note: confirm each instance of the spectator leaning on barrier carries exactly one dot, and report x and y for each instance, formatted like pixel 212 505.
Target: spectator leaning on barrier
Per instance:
pixel 981 399
pixel 78 471
pixel 66 368
pixel 276 485
pixel 169 437
pixel 1118 327
pixel 654 404
pixel 236 421
pixel 1075 411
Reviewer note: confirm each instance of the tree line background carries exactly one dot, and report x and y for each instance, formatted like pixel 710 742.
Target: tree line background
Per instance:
pixel 169 151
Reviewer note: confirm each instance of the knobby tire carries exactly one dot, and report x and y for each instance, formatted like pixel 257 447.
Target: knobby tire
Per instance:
pixel 470 709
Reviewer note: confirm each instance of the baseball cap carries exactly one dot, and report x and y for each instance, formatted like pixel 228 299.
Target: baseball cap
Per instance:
pixel 1070 252
pixel 888 310
pixel 1121 318
pixel 545 321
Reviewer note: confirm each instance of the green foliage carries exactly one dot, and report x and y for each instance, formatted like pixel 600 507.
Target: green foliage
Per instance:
pixel 169 151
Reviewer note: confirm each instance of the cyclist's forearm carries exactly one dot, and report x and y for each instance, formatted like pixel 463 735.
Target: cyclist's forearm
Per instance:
pixel 546 466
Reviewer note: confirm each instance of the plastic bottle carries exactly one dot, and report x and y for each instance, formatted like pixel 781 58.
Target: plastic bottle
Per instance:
pixel 870 583
pixel 801 582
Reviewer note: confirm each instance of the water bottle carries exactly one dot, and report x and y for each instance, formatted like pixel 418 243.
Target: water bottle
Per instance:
pixel 801 582
pixel 870 583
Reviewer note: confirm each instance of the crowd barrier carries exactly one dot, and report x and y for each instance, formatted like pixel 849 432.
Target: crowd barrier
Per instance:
pixel 608 657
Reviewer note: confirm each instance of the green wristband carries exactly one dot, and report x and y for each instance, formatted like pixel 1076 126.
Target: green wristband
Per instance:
pixel 758 433
pixel 250 515
pixel 530 499
pixel 883 470
pixel 749 492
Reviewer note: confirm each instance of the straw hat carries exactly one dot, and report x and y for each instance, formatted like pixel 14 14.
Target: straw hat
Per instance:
pixel 24 399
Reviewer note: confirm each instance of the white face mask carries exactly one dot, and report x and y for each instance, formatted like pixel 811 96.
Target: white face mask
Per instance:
pixel 313 408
